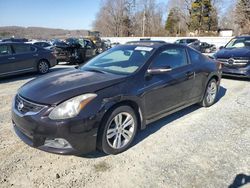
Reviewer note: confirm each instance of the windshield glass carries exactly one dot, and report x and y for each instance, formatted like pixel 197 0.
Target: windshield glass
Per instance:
pixel 238 43
pixel 120 60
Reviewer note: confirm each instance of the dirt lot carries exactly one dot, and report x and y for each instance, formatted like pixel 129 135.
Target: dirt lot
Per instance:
pixel 196 147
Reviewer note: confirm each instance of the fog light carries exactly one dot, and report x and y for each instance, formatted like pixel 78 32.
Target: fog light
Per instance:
pixel 58 143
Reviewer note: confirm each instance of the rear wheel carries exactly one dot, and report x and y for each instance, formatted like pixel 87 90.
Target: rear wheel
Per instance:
pixel 210 94
pixel 43 67
pixel 118 130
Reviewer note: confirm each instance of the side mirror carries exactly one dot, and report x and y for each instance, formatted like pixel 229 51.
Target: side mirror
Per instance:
pixel 158 71
pixel 221 47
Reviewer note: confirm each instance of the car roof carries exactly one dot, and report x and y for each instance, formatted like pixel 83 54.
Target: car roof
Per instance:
pixel 243 36
pixel 147 42
pixel 10 42
pixel 37 41
pixel 155 45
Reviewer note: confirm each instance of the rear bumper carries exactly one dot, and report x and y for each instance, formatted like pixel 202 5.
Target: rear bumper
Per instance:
pixel 53 62
pixel 62 59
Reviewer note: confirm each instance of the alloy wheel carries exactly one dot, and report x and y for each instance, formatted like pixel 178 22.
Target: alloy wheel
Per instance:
pixel 211 92
pixel 43 67
pixel 120 130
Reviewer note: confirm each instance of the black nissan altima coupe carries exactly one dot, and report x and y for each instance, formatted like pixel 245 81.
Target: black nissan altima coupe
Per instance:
pixel 102 104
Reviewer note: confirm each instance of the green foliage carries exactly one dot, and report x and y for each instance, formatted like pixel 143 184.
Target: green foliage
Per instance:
pixel 203 16
pixel 172 25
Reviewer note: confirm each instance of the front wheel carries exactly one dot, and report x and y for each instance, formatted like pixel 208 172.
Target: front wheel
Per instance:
pixel 43 67
pixel 210 94
pixel 118 130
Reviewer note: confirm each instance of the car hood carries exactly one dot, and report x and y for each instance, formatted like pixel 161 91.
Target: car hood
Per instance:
pixel 233 52
pixel 54 88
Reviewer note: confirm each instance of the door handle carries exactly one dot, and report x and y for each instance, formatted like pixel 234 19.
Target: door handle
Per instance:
pixel 190 74
pixel 35 55
pixel 11 58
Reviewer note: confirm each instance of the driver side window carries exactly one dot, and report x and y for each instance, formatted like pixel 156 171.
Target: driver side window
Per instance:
pixel 170 58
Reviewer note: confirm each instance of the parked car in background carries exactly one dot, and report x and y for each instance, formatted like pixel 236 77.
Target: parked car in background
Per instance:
pixel 186 41
pixel 207 48
pixel 74 50
pixel 103 103
pixel 58 42
pixel 42 44
pixel 104 46
pixel 202 47
pixel 193 43
pixel 97 42
pixel 15 40
pixel 17 58
pixel 235 57
pixel 107 43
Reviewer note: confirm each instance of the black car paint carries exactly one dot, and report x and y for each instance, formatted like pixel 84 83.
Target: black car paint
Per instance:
pixel 151 96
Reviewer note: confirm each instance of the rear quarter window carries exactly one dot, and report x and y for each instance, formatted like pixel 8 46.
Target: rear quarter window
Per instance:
pixel 195 57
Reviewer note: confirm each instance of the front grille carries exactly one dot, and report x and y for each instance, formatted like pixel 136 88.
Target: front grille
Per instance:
pixel 24 106
pixel 236 61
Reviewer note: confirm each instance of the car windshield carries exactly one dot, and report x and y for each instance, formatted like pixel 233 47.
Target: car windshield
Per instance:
pixel 124 59
pixel 239 43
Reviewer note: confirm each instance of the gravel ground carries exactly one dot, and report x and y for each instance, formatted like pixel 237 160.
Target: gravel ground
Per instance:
pixel 196 147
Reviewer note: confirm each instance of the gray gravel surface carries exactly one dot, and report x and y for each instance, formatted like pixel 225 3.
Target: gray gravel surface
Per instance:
pixel 196 147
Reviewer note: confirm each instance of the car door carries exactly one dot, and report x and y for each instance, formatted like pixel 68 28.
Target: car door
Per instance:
pixel 170 90
pixel 25 57
pixel 197 60
pixel 6 60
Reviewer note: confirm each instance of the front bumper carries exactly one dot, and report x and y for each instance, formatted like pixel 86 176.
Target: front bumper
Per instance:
pixel 236 71
pixel 34 129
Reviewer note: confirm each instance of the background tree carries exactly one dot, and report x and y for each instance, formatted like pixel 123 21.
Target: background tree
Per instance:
pixel 113 18
pixel 204 19
pixel 173 24
pixel 130 18
pixel 242 16
pixel 203 16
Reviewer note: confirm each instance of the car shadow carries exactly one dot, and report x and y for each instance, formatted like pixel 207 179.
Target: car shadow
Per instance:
pixel 221 94
pixel 240 180
pixel 157 125
pixel 32 75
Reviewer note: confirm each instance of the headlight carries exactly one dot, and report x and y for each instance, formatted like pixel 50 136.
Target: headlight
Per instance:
pixel 71 107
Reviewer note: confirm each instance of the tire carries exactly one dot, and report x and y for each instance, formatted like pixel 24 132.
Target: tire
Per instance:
pixel 210 94
pixel 43 67
pixel 114 137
